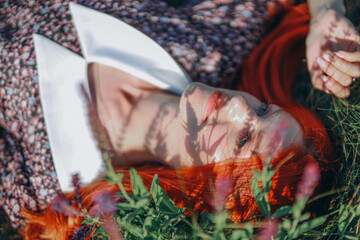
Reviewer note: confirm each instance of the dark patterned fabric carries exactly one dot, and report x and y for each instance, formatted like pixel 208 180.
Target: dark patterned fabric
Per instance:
pixel 208 39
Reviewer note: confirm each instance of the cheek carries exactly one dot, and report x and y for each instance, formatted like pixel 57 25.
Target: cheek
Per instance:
pixel 191 108
pixel 217 143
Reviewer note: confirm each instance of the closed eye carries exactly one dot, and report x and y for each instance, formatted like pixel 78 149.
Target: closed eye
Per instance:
pixel 243 138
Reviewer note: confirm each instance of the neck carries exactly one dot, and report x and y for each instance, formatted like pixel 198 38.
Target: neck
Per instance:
pixel 152 131
pixel 141 120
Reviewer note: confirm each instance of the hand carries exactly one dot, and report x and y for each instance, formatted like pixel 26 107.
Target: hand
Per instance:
pixel 333 53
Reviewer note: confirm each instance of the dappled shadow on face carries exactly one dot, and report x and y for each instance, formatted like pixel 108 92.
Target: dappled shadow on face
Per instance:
pixel 205 143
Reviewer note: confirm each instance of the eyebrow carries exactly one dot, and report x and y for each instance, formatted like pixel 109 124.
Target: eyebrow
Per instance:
pixel 272 115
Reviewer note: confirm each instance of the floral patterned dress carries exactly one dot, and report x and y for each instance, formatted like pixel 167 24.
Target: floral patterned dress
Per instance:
pixel 209 39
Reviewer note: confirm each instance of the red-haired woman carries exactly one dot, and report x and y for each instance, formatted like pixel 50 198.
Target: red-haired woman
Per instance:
pixel 206 132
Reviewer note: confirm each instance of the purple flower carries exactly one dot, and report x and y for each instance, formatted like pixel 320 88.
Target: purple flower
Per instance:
pixel 63 206
pixel 112 228
pixel 82 232
pixel 76 184
pixel 270 230
pixel 223 187
pixel 105 202
pixel 310 180
pixel 76 180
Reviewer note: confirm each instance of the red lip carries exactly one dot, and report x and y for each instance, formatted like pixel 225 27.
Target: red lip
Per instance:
pixel 215 101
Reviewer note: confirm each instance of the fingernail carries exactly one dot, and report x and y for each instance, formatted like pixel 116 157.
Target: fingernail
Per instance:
pixel 329 83
pixel 325 79
pixel 326 90
pixel 321 62
pixel 339 54
pixel 328 57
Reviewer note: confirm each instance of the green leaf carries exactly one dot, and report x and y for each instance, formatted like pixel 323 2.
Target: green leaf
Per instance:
pixel 269 174
pixel 344 211
pixel 267 183
pixel 132 229
pixel 150 238
pixel 162 201
pixel 257 174
pixel 305 217
pixel 259 198
pixel 155 190
pixel 240 234
pixel 207 220
pixel 249 228
pixel 91 221
pixel 148 223
pixel 298 207
pixel 311 224
pixel 115 179
pixel 286 224
pixel 100 233
pixel 285 210
pixel 142 202
pixel 357 211
pixel 138 187
pixel 268 161
pixel 169 222
pixel 132 215
pixel 125 206
pixel 220 220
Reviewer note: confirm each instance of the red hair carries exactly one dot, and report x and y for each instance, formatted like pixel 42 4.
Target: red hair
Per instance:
pixel 270 70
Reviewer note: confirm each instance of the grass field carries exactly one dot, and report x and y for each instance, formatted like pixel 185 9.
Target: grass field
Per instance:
pixel 343 118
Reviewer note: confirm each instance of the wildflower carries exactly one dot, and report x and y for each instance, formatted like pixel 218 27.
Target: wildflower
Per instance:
pixel 82 232
pixel 310 180
pixel 222 189
pixel 107 206
pixel 270 230
pixel 105 202
pixel 76 184
pixel 63 205
pixel 111 228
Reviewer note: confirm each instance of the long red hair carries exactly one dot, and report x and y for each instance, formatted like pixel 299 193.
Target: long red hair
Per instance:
pixel 268 74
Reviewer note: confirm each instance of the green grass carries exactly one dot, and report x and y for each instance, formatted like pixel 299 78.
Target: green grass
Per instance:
pixel 342 118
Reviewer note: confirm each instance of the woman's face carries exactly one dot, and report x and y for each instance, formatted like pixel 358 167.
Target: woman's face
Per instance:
pixel 223 124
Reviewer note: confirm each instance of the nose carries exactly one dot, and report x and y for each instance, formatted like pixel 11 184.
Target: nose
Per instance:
pixel 239 110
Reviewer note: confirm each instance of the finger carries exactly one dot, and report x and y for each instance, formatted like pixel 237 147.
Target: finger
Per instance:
pixel 335 88
pixel 349 68
pixel 349 56
pixel 317 83
pixel 339 76
pixel 315 73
